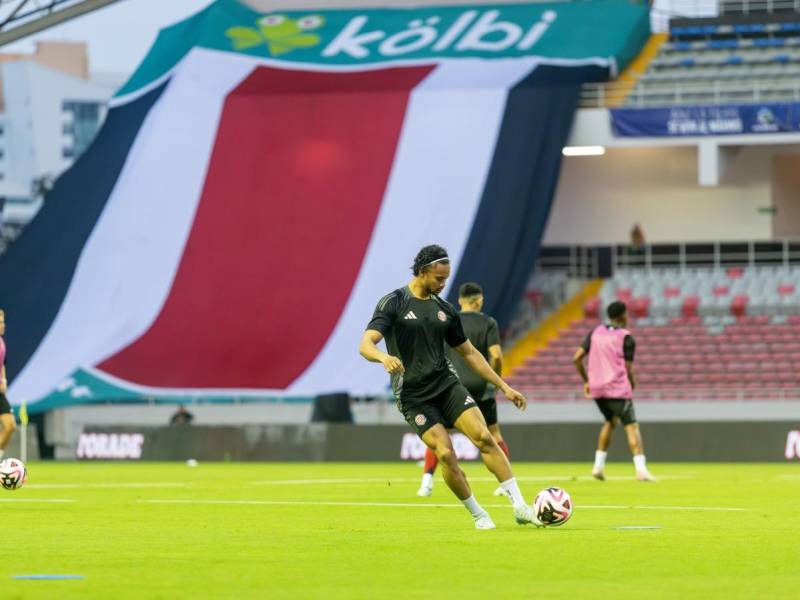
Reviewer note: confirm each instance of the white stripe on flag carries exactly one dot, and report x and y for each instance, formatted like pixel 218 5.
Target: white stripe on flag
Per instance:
pixel 126 269
pixel 444 155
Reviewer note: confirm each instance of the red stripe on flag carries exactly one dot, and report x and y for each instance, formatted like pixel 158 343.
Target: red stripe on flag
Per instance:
pixel 295 183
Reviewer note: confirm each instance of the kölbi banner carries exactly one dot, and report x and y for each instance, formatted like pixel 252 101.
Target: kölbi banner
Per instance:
pixel 610 31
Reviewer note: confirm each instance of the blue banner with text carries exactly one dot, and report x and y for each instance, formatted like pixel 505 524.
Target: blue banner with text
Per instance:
pixel 706 120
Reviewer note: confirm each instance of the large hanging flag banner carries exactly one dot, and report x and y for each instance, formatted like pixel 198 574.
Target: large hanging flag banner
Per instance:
pixel 262 180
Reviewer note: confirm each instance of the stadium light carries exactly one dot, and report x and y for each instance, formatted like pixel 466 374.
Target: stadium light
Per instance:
pixel 583 151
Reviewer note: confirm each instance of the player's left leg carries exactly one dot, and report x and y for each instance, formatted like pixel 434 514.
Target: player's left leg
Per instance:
pixel 471 423
pixel 426 486
pixel 635 443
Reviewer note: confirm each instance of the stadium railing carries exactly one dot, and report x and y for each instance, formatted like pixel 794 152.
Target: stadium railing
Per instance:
pixel 614 94
pixel 589 262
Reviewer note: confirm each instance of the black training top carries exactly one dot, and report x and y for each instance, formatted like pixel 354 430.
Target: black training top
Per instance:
pixel 415 331
pixel 483 331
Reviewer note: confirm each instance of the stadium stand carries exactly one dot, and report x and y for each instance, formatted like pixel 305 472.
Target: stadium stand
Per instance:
pixel 545 292
pixel 753 57
pixel 708 334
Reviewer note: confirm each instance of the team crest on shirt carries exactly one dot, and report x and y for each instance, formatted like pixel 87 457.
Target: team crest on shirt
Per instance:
pixel 442 316
pixel 420 420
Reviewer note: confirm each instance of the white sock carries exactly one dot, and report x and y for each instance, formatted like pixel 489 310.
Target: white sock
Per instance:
pixel 640 462
pixel 512 491
pixel 600 460
pixel 427 480
pixel 475 509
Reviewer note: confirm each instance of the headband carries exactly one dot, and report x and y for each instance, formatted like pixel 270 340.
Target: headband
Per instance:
pixel 433 262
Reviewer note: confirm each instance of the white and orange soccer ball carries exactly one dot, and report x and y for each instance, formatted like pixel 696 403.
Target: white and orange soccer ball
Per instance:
pixel 13 473
pixel 553 506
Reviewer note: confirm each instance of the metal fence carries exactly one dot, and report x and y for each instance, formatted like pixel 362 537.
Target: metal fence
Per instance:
pixel 579 262
pixel 590 262
pixel 618 94
pixel 713 254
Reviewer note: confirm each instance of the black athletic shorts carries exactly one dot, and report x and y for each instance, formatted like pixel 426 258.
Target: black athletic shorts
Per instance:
pixel 444 408
pixel 617 407
pixel 486 401
pixel 489 409
pixel 5 407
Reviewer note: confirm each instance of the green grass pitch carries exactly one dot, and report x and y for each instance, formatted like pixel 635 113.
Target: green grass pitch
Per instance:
pixel 359 531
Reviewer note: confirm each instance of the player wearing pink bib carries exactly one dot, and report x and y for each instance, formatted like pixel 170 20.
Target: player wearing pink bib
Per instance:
pixel 6 416
pixel 610 381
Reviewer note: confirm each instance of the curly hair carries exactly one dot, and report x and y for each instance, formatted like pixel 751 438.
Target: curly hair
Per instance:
pixel 616 309
pixel 427 256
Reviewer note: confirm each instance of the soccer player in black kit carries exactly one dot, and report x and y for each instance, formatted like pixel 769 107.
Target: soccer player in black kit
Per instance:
pixel 416 324
pixel 484 333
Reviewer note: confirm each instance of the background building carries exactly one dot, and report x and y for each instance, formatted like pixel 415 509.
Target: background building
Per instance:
pixel 50 110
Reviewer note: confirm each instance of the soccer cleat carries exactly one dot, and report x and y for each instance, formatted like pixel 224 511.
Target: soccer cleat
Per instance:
pixel 524 514
pixel 598 475
pixel 484 522
pixel 499 491
pixel 645 476
pixel 424 491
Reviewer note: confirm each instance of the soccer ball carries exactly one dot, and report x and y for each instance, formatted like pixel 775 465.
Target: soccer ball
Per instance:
pixel 13 473
pixel 553 506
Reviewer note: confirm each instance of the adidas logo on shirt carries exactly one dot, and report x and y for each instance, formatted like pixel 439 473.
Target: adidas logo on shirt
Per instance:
pixel 410 315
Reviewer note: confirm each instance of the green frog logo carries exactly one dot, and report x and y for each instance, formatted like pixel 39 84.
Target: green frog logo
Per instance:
pixel 280 34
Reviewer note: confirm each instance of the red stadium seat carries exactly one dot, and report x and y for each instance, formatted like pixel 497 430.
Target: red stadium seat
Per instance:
pixel 640 307
pixel 720 290
pixel 739 305
pixel 592 308
pixel 690 306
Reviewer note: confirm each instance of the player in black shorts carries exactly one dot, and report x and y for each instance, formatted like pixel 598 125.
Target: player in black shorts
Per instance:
pixel 484 333
pixel 610 381
pixel 6 415
pixel 416 324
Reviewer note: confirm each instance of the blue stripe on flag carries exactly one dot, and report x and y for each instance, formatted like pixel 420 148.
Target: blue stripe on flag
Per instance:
pixel 504 242
pixel 36 270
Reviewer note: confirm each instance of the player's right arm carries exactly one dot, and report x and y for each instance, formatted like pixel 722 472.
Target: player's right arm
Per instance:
pixel 381 323
pixel 495 349
pixel 369 350
pixel 577 360
pixel 496 358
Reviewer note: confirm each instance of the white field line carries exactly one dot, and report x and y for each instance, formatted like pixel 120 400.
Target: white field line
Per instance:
pixel 420 505
pixel 367 480
pixel 75 486
pixel 40 501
